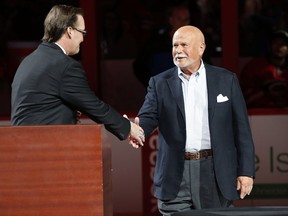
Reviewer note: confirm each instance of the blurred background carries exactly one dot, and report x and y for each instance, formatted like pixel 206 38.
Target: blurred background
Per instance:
pixel 120 32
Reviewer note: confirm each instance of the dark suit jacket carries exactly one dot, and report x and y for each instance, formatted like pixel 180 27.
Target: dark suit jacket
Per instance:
pixel 50 86
pixel 231 139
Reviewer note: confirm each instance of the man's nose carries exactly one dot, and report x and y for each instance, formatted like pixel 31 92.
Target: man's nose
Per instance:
pixel 179 49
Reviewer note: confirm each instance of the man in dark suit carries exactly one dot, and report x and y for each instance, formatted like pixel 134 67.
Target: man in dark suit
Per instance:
pixel 206 153
pixel 49 86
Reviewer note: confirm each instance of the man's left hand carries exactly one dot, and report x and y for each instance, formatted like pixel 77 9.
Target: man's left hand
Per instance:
pixel 245 185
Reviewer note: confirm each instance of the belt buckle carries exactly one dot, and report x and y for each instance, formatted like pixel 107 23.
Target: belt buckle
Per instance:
pixel 197 155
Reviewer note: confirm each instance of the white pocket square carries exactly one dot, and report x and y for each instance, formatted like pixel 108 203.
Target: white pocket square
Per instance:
pixel 221 98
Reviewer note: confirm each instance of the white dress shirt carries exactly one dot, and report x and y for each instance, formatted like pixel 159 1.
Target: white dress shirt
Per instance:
pixel 194 89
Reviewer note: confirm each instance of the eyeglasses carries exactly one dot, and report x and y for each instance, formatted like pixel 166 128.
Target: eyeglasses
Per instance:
pixel 84 32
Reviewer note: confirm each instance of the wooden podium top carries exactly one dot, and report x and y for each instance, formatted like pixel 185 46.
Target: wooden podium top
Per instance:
pixel 54 170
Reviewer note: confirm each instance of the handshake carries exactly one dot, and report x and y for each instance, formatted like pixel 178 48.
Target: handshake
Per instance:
pixel 137 135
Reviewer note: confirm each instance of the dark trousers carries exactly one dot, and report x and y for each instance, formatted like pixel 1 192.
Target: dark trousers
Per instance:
pixel 198 189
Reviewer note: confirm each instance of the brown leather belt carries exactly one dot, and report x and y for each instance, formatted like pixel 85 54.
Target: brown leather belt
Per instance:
pixel 197 155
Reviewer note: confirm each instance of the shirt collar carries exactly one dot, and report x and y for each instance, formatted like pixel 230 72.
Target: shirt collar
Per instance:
pixel 61 48
pixel 197 74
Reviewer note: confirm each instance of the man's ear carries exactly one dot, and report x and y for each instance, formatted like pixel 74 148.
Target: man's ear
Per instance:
pixel 69 32
pixel 202 48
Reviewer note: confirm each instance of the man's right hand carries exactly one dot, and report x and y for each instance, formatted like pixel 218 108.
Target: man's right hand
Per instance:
pixel 137 137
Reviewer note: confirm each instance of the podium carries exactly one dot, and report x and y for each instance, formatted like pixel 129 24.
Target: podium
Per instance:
pixel 55 170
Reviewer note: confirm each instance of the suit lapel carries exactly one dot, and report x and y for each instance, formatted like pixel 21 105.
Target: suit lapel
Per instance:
pixel 174 84
pixel 212 88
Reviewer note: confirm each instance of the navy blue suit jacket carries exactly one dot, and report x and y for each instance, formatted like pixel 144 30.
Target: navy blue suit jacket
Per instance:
pixel 231 138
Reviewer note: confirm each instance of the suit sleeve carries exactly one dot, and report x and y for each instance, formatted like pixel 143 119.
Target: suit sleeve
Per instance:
pixel 76 92
pixel 243 135
pixel 148 113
